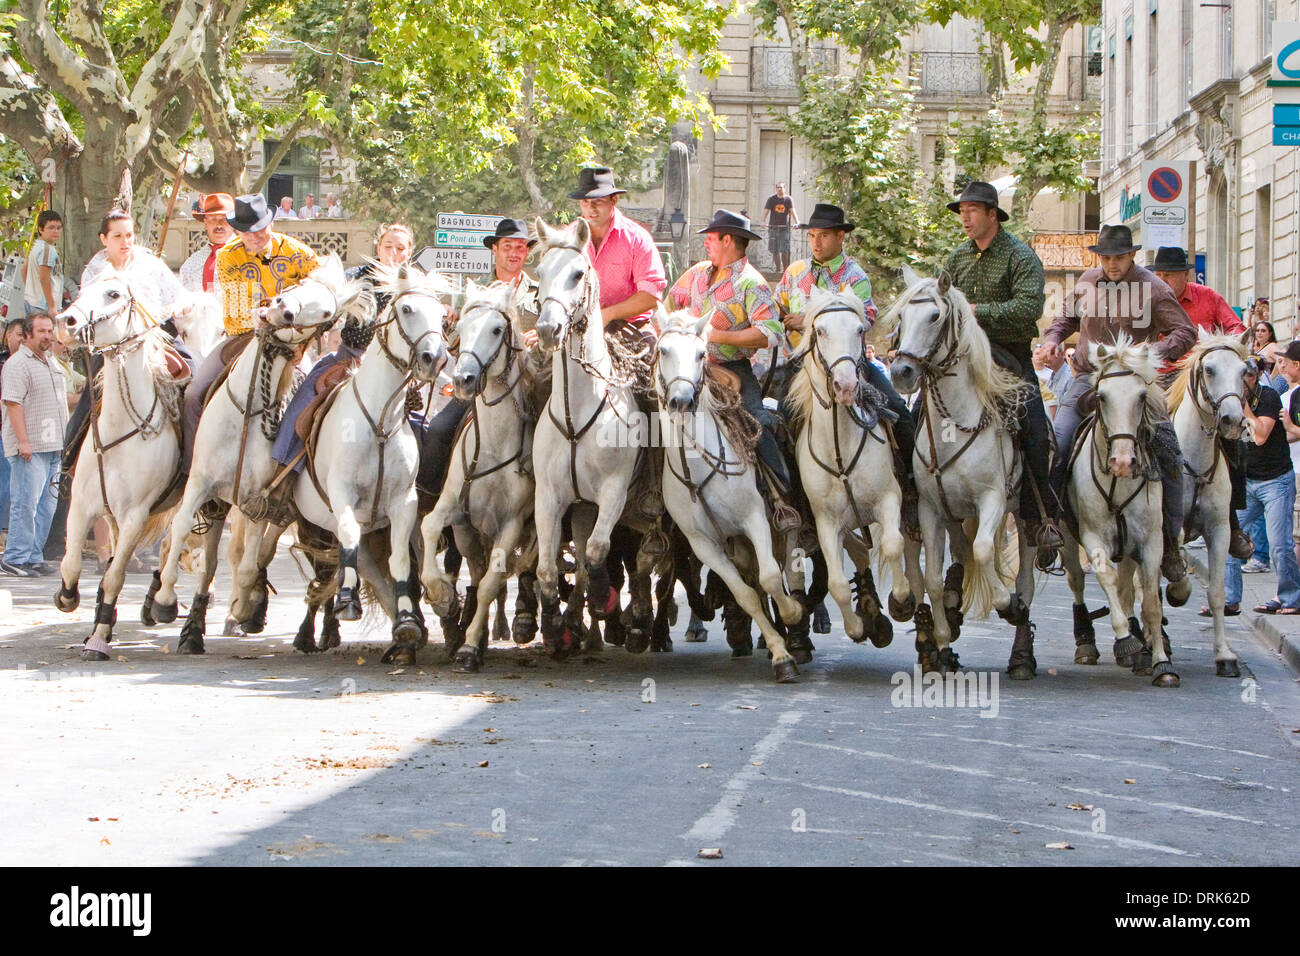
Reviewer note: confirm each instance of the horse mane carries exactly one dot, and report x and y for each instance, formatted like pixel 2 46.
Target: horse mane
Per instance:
pixel 1178 389
pixel 394 280
pixel 799 395
pixel 996 388
pixel 1125 355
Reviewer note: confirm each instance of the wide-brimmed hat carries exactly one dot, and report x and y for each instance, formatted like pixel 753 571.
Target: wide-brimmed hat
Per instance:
pixel 1170 259
pixel 213 204
pixel 724 220
pixel 1114 241
pixel 1292 351
pixel 595 182
pixel 826 216
pixel 979 192
pixel 250 214
pixel 510 229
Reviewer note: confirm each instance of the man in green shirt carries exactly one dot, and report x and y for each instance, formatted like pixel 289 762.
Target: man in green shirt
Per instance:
pixel 1003 280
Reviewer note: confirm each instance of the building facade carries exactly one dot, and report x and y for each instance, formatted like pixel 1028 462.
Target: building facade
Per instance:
pixel 1184 80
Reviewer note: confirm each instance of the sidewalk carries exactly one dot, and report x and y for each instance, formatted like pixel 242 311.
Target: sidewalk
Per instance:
pixel 1281 634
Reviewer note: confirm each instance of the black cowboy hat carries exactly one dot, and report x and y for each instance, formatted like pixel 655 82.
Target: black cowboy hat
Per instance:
pixel 1114 241
pixel 510 229
pixel 1292 351
pixel 979 192
pixel 724 220
pixel 595 182
pixel 826 216
pixel 250 214
pixel 1171 259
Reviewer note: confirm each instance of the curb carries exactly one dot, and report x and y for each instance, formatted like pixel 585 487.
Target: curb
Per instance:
pixel 1288 645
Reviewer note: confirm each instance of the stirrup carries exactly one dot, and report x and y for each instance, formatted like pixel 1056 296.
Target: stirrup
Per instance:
pixel 784 518
pixel 1240 545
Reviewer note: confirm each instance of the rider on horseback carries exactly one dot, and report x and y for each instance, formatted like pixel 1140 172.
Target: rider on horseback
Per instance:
pixel 1121 296
pixel 256 265
pixel 1002 278
pixel 745 319
pixel 829 268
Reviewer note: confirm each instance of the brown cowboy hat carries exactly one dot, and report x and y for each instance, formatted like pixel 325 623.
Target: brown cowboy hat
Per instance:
pixel 213 204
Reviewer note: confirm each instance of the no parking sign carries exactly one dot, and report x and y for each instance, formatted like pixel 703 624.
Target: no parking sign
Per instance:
pixel 1166 202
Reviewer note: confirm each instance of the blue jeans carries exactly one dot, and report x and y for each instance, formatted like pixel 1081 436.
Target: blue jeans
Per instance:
pixel 4 492
pixel 1274 499
pixel 1259 536
pixel 32 499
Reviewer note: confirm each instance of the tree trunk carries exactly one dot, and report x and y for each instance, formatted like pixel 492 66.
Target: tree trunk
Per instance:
pixel 525 144
pixel 1028 187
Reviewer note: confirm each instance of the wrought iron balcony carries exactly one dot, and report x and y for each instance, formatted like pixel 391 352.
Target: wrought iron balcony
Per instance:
pixel 951 74
pixel 771 68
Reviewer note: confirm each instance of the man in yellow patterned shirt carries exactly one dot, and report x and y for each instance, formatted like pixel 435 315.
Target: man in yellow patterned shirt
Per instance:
pixel 257 265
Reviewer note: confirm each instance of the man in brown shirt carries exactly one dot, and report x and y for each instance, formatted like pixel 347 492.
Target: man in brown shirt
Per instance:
pixel 1121 296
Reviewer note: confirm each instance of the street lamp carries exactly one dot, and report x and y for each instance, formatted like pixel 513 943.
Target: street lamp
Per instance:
pixel 677 224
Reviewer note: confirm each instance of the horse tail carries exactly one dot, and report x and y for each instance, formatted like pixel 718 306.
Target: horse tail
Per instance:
pixel 156 527
pixel 979 589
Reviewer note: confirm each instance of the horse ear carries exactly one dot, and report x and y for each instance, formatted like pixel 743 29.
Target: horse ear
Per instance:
pixel 910 278
pixel 544 232
pixel 582 232
pixel 945 283
pixel 659 320
pixel 703 322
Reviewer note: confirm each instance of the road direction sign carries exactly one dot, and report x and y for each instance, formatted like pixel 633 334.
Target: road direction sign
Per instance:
pixel 473 261
pixel 459 238
pixel 466 220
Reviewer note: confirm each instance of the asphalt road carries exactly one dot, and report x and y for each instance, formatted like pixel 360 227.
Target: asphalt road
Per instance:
pixel 256 755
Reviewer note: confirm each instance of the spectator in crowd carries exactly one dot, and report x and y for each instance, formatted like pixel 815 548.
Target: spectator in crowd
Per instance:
pixel 1270 490
pixel 333 208
pixel 869 353
pixel 1288 367
pixel 199 271
pixel 779 215
pixel 1053 372
pixel 309 208
pixel 13 338
pixel 285 209
pixel 43 270
pixel 1205 307
pixel 36 413
pixel 1264 344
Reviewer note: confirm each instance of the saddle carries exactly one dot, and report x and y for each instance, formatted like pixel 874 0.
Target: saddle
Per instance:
pixel 231 349
pixel 308 423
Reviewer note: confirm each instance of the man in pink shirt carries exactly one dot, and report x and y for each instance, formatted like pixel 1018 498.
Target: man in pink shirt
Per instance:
pixel 632 279
pixel 1203 305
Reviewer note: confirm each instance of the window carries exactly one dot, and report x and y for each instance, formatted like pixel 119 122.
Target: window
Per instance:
pixel 1267 14
pixel 1225 37
pixel 1153 85
pixel 1186 21
pixel 1263 240
pixel 1110 146
pixel 1128 96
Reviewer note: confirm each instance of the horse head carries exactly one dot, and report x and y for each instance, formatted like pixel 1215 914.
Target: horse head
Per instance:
pixel 680 356
pixel 926 318
pixel 103 315
pixel 488 337
pixel 197 319
pixel 316 302
pixel 566 281
pixel 1123 378
pixel 836 323
pixel 416 313
pixel 1219 375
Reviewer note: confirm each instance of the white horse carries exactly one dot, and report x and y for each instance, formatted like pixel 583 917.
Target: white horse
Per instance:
pixel 232 449
pixel 846 465
pixel 128 463
pixel 196 317
pixel 1116 496
pixel 360 476
pixel 711 490
pixel 967 469
pixel 572 465
pixel 1207 403
pixel 488 496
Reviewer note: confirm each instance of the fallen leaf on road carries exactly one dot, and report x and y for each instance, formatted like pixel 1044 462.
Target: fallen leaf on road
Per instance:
pixel 166 649
pixel 1060 846
pixel 756 763
pixel 482 763
pixel 123 660
pixel 693 705
pixel 1015 831
pixel 93 819
pixel 710 853
pixel 489 730
pixel 1129 780
pixel 704 766
pixel 1052 671
pixel 1079 806
pixel 103 841
pixel 398 671
pixel 747 707
pixel 360 661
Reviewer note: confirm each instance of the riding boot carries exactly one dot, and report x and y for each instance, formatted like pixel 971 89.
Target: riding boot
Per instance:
pixel 1170 461
pixel 1240 545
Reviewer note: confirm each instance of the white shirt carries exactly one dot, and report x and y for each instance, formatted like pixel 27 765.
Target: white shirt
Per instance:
pixel 149 276
pixel 309 212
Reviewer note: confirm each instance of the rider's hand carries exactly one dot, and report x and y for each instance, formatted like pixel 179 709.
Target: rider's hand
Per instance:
pixel 1053 352
pixel 25 450
pixel 794 320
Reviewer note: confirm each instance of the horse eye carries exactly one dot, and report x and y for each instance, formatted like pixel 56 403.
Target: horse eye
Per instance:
pixel 114 294
pixel 934 316
pixel 406 310
pixel 496 331
pixel 1209 373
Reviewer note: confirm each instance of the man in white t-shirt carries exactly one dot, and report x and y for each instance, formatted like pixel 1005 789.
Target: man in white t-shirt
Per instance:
pixel 43 271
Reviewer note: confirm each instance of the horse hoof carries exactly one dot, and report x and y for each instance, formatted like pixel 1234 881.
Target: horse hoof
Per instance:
pixel 1179 591
pixel 1086 654
pixel 232 628
pixel 399 653
pixel 165 613
pixel 406 630
pixel 1142 664
pixel 902 611
pixel 347 605
pixel 637 640
pixel 601 610
pixel 565 645
pixel 1126 647
pixel 329 637
pixel 616 633
pixel 468 661
pixel 304 641
pixel 784 672
pixel 696 635
pixel 821 622
pixel 661 645
pixel 253 626
pixel 66 599
pixel 1226 669
pixel 88 655
pixel 746 650
pixel 955 620
pixel 191 645
pixel 882 635
pixel 1022 672
pixel 524 628
pixel 1165 675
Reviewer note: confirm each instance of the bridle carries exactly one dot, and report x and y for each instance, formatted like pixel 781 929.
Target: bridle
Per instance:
pixel 394 321
pixel 947 337
pixel 505 342
pixel 1196 392
pixel 696 384
pixel 130 342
